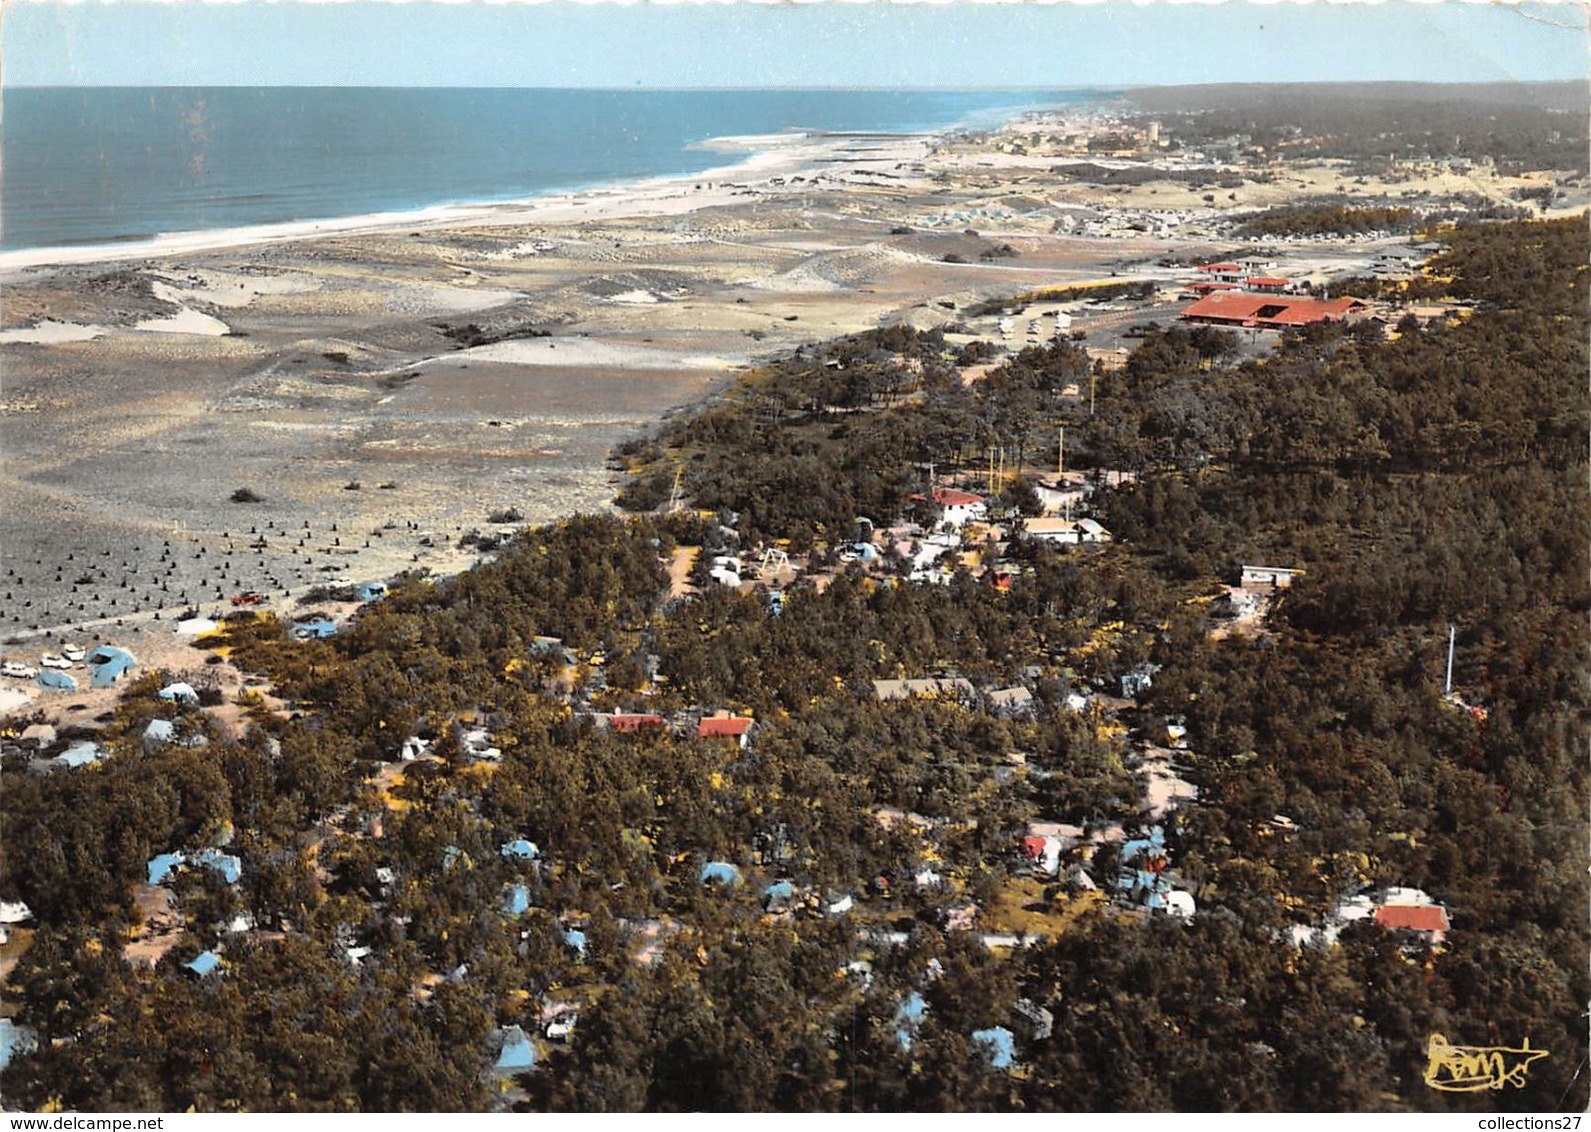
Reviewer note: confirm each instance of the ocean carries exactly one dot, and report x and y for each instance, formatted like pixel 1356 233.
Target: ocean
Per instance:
pixel 101 165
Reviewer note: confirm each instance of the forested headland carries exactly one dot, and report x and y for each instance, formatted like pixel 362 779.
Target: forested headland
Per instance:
pixel 876 925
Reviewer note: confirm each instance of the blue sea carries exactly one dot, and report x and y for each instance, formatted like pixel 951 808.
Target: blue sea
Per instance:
pixel 109 164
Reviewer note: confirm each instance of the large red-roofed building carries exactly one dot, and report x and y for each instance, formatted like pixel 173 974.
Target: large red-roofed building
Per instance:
pixel 724 727
pixel 1270 312
pixel 1428 918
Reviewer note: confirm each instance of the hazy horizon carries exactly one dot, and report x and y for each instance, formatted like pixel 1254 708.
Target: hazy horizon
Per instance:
pixel 562 44
pixel 1107 89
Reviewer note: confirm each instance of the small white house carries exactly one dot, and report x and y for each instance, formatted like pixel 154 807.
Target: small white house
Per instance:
pixel 1278 577
pixel 1066 532
pixel 959 507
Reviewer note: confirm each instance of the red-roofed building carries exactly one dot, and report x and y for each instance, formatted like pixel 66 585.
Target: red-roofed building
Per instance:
pixel 1427 919
pixel 1206 288
pixel 1225 272
pixel 1266 312
pixel 736 727
pixel 950 497
pixel 960 507
pixel 1271 284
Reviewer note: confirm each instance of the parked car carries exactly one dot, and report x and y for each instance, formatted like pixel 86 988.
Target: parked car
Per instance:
pixel 73 653
pixel 50 660
pixel 21 671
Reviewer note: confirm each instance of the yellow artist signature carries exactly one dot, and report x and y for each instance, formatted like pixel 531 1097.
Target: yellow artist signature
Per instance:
pixel 1469 1069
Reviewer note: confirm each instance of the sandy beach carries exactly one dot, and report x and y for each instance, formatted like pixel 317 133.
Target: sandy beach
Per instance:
pixel 383 384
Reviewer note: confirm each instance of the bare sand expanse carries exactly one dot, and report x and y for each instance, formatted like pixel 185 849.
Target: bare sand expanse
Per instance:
pixel 385 384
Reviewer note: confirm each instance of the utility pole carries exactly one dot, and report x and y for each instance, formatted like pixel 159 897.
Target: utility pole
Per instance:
pixel 1060 455
pixel 1093 380
pixel 674 496
pixel 1451 634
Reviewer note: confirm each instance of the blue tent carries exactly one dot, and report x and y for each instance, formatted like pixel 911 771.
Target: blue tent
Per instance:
pixel 778 894
pixel 56 681
pixel 521 849
pixel 228 867
pixel 371 591
pixel 1141 878
pixel 518 1054
pixel 907 1016
pixel 575 940
pixel 317 630
pixel 80 755
pixel 720 872
pixel 14 1039
pixel 158 732
pixel 107 664
pixel 1000 1045
pixel 204 963
pixel 516 900
pixel 162 866
pixel 1153 845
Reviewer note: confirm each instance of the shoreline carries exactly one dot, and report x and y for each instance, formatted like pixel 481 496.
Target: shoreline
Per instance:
pixel 793 150
pixel 770 154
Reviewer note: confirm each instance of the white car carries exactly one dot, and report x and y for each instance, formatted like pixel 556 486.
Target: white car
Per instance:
pixel 21 671
pixel 50 660
pixel 73 653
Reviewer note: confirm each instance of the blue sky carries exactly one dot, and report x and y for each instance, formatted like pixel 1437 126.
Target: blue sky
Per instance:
pixel 961 44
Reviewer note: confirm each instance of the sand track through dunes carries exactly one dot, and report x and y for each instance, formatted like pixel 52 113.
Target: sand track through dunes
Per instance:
pixel 582 353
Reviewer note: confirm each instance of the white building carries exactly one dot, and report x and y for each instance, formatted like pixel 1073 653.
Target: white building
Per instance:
pixel 1071 532
pixel 1278 576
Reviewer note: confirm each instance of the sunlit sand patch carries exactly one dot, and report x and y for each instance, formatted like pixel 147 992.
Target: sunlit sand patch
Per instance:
pixel 186 321
pixel 436 300
pixel 229 288
pixel 50 332
pixel 582 352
